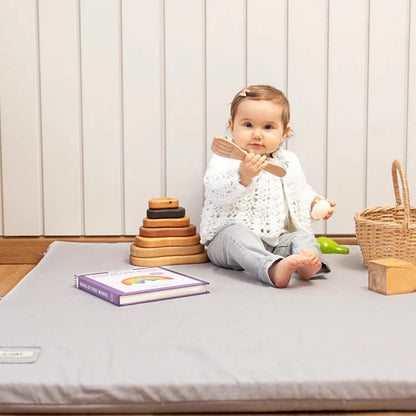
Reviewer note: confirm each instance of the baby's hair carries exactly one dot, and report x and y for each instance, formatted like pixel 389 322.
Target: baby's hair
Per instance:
pixel 262 92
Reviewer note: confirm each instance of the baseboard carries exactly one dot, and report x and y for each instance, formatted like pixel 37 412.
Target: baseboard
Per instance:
pixel 344 239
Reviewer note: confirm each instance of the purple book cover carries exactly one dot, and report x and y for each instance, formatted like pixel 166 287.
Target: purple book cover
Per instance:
pixel 138 285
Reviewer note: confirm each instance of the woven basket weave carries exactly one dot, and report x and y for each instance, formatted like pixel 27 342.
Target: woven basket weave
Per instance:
pixel 389 231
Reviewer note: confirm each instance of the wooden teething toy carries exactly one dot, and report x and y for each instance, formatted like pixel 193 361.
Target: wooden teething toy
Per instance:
pixel 226 148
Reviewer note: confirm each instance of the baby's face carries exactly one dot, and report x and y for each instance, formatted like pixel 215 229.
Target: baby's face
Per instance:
pixel 257 126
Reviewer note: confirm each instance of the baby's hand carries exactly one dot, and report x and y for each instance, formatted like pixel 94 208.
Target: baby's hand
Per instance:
pixel 250 167
pixel 317 213
pixel 331 210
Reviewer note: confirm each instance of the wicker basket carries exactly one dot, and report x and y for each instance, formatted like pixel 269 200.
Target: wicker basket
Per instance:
pixel 389 231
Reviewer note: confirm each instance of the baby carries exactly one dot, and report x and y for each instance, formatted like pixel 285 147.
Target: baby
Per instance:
pixel 252 220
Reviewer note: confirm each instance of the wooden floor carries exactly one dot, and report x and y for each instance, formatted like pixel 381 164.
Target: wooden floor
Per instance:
pixel 11 274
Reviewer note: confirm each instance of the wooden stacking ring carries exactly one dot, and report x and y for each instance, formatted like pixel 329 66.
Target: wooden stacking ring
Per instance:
pixel 159 203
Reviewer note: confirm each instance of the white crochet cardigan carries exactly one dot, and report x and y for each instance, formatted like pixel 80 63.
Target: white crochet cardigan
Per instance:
pixel 261 205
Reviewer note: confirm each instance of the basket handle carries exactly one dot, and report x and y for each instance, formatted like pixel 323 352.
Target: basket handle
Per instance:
pixel 398 167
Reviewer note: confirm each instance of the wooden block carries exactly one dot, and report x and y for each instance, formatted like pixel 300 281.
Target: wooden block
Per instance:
pixel 165 251
pixel 391 276
pixel 178 212
pixel 166 222
pixel 168 231
pixel 166 241
pixel 159 203
pixel 169 260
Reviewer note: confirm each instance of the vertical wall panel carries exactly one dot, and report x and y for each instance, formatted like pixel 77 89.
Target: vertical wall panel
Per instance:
pixel 142 108
pixel 20 118
pixel 267 42
pixel 347 111
pixel 225 62
pixel 61 116
pixel 102 120
pixel 411 112
pixel 387 100
pixel 307 88
pixel 1 168
pixel 185 128
pixel 108 103
pixel 1 188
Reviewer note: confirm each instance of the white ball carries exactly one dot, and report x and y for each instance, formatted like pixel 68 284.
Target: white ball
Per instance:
pixel 320 209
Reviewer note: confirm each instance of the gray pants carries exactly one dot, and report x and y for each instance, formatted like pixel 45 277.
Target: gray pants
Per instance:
pixel 237 247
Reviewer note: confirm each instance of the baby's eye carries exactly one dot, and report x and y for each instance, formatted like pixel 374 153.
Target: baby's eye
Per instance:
pixel 248 124
pixel 268 126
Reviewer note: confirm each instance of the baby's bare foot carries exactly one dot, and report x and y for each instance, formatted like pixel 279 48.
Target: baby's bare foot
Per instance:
pixel 281 272
pixel 311 266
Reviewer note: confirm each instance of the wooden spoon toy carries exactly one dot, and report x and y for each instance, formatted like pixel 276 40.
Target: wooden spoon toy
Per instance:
pixel 226 148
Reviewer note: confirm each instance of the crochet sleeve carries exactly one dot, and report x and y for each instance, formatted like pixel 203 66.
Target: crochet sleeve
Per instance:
pixel 222 182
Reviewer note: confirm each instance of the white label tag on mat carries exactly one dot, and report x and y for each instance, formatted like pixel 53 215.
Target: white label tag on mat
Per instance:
pixel 19 355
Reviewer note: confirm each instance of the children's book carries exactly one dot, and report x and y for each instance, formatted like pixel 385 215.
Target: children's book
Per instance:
pixel 139 285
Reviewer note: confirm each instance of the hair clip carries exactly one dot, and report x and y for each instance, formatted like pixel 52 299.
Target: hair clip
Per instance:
pixel 244 93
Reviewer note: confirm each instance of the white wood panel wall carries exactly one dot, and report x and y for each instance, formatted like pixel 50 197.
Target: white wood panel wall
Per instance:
pixel 106 104
pixel 143 109
pixel 347 110
pixel 61 119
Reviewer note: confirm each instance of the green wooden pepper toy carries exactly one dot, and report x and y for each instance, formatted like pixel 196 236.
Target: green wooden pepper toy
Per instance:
pixel 329 246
